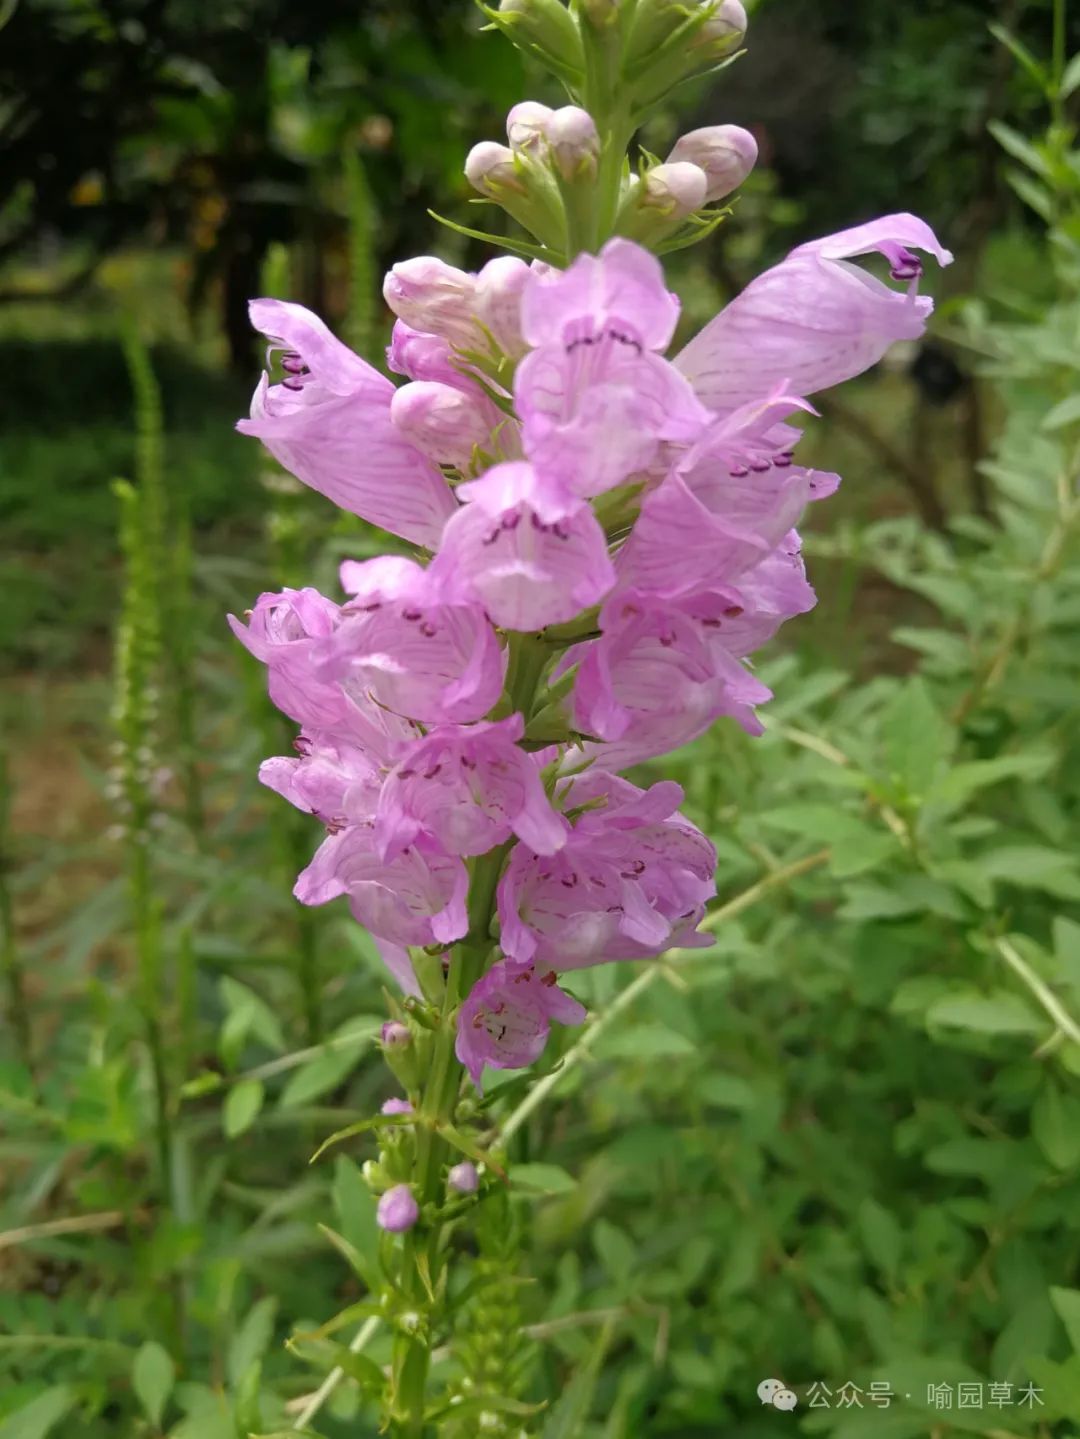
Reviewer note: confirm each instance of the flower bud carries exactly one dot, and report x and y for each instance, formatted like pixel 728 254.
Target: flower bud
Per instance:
pixel 676 190
pixel 396 1106
pixel 574 142
pixel 419 356
pixel 526 125
pixel 430 295
pixel 393 1034
pixel 490 168
pixel 463 1178
pixel 723 32
pixel 397 1210
pixel 443 422
pixel 498 302
pixel 726 153
pixel 543 28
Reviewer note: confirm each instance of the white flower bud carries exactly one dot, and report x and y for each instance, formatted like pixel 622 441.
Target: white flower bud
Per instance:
pixel 677 190
pixel 574 142
pixel 526 125
pixel 490 168
pixel 727 154
pixel 724 31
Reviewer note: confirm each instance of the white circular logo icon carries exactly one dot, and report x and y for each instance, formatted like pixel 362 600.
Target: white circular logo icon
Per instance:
pixel 785 1400
pixel 768 1389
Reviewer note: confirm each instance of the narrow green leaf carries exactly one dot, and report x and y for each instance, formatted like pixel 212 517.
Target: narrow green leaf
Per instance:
pixel 1067 1304
pixel 251 1340
pixel 38 1418
pixel 1055 1126
pixel 541 1179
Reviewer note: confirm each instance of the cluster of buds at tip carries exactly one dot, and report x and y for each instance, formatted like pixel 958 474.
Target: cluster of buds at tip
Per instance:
pixel 545 30
pixel 671 40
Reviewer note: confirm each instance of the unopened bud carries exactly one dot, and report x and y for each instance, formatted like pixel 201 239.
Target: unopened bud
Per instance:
pixel 491 169
pixel 574 142
pixel 543 28
pixel 442 421
pixel 430 295
pixel 727 154
pixel 393 1034
pixel 526 125
pixel 419 356
pixel 463 1178
pixel 397 1210
pixel 396 1106
pixel 675 190
pixel 498 302
pixel 723 32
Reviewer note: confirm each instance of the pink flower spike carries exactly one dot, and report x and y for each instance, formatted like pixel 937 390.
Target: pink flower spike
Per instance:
pixel 527 550
pixel 506 1018
pixel 467 789
pixel 328 423
pixel 815 319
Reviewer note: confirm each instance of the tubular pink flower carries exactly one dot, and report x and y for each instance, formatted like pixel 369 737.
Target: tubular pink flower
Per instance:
pixel 525 548
pixel 815 319
pixel 333 780
pixel 632 880
pixel 506 1018
pixel 594 400
pixel 282 631
pixel 468 789
pixel 417 898
pixel 328 423
pixel 407 646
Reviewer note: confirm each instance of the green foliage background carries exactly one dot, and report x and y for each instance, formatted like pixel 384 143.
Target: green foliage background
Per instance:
pixel 840 1146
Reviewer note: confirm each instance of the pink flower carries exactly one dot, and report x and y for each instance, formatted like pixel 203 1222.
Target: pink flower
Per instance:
pixel 506 1017
pixel 499 287
pixel 652 681
pixel 282 631
pixel 632 880
pixel 407 646
pixel 525 548
pixel 328 422
pixel 468 789
pixel 726 504
pixel 435 297
pixel 463 1178
pixel 447 422
pixel 333 780
pixel 727 154
pixel 416 898
pixel 815 319
pixel 594 398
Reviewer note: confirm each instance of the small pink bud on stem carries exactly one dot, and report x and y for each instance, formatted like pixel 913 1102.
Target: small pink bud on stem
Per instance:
pixel 727 154
pixel 397 1210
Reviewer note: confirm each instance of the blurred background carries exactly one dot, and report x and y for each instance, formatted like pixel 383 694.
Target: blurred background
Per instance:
pixel 787 1169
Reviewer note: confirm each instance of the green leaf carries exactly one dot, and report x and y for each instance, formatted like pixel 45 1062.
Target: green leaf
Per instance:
pixel 1055 1126
pixel 152 1377
pixel 355 1205
pixel 541 1179
pixel 961 781
pixel 917 738
pixel 1065 412
pixel 1001 1012
pixel 41 1415
pixel 728 1091
pixel 1071 78
pixel 251 1340
pixel 327 1070
pixel 242 1106
pixel 882 1236
pixel 1034 866
pixel 618 1253
pixel 1067 1304
pixel 567 1419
